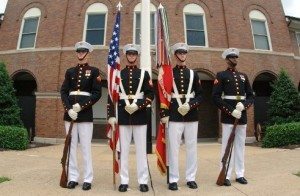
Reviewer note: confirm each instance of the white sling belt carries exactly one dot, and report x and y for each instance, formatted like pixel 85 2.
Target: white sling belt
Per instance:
pixel 233 97
pixel 80 93
pixel 188 95
pixel 138 94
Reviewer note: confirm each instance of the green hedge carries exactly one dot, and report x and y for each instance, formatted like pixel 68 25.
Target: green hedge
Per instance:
pixel 282 135
pixel 12 137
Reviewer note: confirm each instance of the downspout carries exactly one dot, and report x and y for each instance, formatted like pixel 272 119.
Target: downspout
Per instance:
pixel 226 27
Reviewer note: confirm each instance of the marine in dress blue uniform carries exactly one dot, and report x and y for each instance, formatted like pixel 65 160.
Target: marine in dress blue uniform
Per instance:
pixel 79 91
pixel 233 95
pixel 182 117
pixel 136 92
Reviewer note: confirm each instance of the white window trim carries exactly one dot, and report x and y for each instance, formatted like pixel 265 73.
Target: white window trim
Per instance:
pixel 137 9
pixel 104 11
pixel 29 14
pixel 298 40
pixel 267 29
pixel 204 25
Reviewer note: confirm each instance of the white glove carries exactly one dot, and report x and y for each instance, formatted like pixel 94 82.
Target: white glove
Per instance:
pixel 73 114
pixel 165 120
pixel 76 107
pixel 112 121
pixel 131 108
pixel 184 109
pixel 236 114
pixel 239 106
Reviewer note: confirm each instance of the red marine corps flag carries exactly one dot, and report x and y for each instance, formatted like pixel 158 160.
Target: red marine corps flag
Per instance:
pixel 165 81
pixel 113 81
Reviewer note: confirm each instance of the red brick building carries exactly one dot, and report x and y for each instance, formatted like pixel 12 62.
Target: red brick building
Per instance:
pixel 37 44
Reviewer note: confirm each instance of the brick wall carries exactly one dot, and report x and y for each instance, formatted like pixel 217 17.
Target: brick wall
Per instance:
pixel 60 29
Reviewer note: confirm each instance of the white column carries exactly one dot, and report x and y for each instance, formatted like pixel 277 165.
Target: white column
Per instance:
pixel 145 36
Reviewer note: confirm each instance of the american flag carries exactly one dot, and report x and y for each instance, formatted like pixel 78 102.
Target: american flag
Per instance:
pixel 113 62
pixel 113 72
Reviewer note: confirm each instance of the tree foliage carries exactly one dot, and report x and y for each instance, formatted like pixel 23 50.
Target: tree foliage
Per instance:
pixel 284 101
pixel 9 109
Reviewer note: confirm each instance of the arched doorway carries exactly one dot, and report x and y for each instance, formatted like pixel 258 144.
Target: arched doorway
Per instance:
pixel 208 112
pixel 262 90
pixel 26 86
pixel 100 112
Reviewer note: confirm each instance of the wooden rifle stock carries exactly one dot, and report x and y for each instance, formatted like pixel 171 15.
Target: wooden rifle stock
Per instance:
pixel 227 153
pixel 65 157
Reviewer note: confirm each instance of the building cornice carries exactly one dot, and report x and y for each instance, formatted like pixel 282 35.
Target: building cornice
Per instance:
pixel 47 95
pixel 57 49
pixel 51 49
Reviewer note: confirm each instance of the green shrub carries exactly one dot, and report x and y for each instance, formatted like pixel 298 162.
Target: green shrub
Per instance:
pixel 13 137
pixel 282 135
pixel 284 101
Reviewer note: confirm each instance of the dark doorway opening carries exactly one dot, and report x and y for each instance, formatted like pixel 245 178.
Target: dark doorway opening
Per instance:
pixel 25 86
pixel 208 113
pixel 262 89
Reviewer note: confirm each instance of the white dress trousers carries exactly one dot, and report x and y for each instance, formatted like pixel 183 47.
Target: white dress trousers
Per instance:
pixel 175 131
pixel 139 136
pixel 238 151
pixel 83 131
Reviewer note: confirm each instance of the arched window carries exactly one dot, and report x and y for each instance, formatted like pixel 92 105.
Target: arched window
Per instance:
pixel 260 31
pixel 195 25
pixel 137 24
pixel 95 24
pixel 29 28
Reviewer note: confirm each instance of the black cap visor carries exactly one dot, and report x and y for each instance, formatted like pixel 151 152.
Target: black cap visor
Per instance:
pixel 82 50
pixel 131 52
pixel 180 51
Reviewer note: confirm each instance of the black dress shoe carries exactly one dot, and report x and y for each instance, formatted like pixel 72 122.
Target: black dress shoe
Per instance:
pixel 144 188
pixel 72 184
pixel 173 186
pixel 192 184
pixel 123 187
pixel 86 186
pixel 241 180
pixel 227 182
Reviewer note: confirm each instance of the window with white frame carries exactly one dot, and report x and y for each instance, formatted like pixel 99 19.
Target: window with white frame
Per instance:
pixel 95 23
pixel 195 25
pixel 137 24
pixel 29 28
pixel 260 31
pixel 298 38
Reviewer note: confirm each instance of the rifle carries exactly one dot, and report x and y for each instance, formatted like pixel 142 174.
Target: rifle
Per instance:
pixel 65 157
pixel 227 153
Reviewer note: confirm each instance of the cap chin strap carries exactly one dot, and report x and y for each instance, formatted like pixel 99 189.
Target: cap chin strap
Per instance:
pixel 179 58
pixel 83 57
pixel 232 63
pixel 130 61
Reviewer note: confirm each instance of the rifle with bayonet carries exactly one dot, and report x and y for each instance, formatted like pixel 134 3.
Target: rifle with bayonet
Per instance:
pixel 227 156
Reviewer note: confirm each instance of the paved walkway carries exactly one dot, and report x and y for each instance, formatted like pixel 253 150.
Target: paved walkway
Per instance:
pixel 36 171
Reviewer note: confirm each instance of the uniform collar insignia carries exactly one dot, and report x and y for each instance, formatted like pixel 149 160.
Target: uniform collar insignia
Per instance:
pixel 82 65
pixel 131 66
pixel 231 69
pixel 181 66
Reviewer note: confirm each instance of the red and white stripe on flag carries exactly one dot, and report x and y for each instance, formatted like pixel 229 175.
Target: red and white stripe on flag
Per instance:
pixel 113 81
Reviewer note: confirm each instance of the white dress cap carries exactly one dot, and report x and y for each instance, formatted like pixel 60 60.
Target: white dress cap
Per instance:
pixel 230 52
pixel 179 46
pixel 131 47
pixel 83 45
